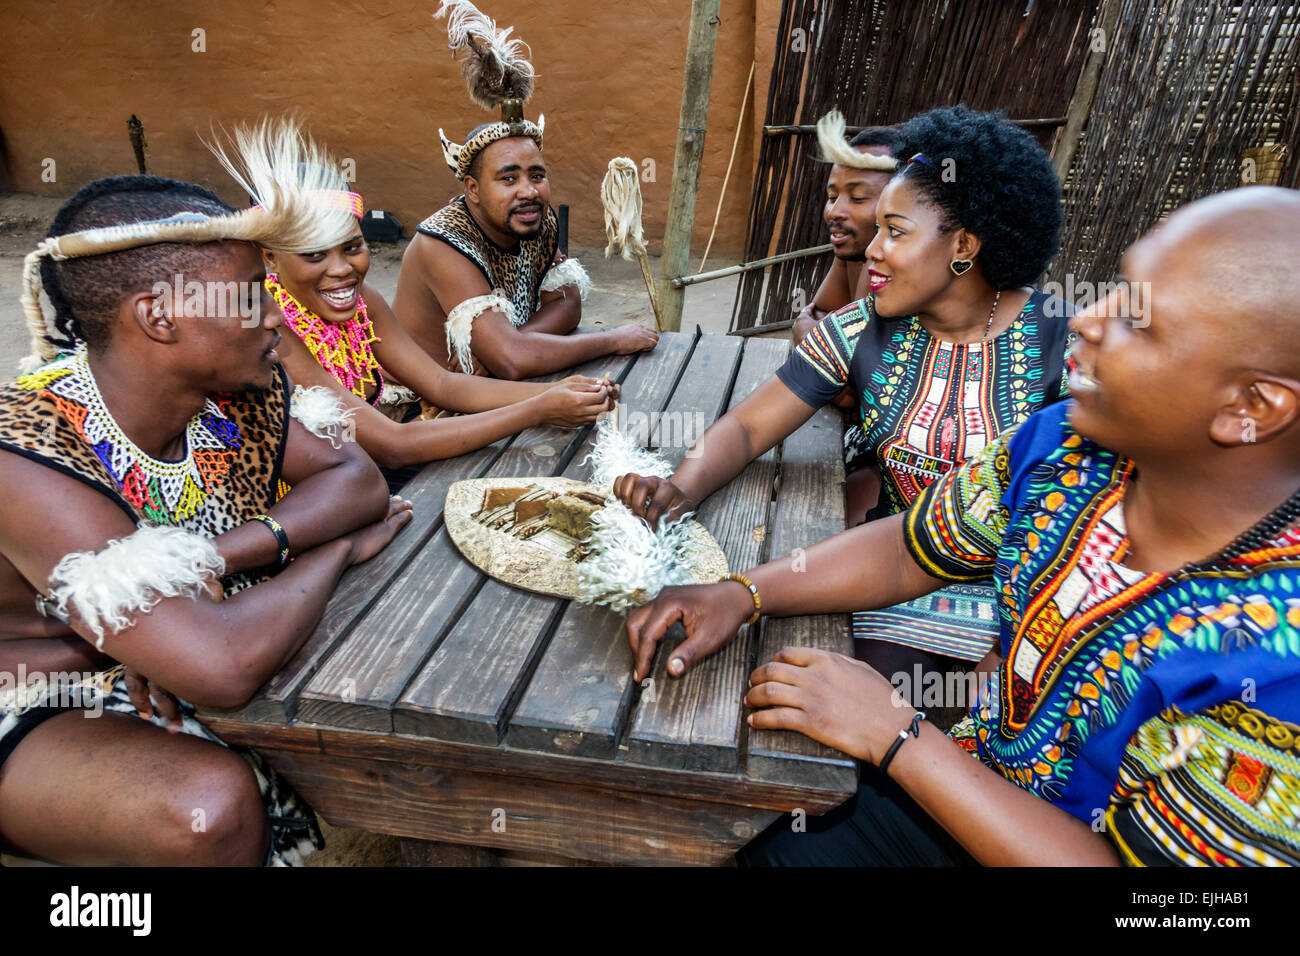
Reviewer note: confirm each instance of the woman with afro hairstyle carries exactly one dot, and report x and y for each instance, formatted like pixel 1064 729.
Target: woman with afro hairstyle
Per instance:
pixel 951 347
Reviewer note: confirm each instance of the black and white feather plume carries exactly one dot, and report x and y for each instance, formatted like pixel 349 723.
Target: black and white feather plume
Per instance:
pixel 494 64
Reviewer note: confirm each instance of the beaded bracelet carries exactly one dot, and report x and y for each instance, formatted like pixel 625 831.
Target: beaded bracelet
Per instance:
pixel 753 592
pixel 281 538
pixel 914 730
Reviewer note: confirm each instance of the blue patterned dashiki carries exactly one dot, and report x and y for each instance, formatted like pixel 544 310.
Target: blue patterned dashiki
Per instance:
pixel 1164 706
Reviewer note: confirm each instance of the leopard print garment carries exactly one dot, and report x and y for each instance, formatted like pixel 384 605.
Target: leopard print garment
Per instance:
pixel 514 274
pixel 236 448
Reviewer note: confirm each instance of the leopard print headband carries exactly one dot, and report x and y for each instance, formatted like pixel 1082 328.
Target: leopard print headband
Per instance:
pixel 459 157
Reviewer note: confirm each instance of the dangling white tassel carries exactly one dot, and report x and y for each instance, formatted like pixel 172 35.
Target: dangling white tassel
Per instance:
pixel 568 272
pixel 620 194
pixel 628 564
pixel 615 454
pixel 322 413
pixel 131 575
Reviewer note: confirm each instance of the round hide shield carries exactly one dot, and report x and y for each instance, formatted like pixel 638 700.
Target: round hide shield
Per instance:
pixel 526 532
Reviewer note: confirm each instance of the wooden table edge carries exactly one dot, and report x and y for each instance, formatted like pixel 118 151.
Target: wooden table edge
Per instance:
pixel 732 788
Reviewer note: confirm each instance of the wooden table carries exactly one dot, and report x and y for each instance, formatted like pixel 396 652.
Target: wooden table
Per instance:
pixel 438 705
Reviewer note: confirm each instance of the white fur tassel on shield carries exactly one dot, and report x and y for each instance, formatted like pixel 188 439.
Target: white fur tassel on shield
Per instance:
pixel 628 564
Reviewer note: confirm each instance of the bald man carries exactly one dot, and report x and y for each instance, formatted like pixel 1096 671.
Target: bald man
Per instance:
pixel 1144 701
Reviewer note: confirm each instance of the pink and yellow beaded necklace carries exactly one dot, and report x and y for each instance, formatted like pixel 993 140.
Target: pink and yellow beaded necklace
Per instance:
pixel 341 348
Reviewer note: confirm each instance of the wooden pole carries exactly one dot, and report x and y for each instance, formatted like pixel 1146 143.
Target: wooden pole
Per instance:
pixel 1085 90
pixel 681 282
pixel 686 161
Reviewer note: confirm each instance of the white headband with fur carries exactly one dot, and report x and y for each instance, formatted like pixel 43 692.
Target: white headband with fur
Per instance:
pixel 836 149
pixel 291 216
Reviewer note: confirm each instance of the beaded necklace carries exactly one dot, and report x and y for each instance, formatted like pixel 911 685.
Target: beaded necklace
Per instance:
pixel 341 348
pixel 166 492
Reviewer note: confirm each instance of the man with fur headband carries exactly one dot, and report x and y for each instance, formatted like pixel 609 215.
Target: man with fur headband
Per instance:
pixel 486 267
pixel 148 529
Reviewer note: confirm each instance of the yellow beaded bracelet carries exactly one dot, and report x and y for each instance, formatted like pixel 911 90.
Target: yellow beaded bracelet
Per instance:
pixel 753 591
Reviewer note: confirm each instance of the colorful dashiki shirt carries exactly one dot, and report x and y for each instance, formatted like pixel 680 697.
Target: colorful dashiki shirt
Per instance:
pixel 927 405
pixel 56 416
pixel 1164 706
pixel 516 274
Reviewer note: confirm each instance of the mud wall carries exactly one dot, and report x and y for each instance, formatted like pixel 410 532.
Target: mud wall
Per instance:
pixel 374 80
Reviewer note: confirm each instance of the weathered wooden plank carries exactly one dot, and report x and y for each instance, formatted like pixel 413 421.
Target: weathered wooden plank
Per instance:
pixel 465 691
pixel 473 680
pixel 699 397
pixel 581 690
pixel 694 721
pixel 564 818
pixel 522 767
pixel 361 679
pixel 355 686
pixel 360 587
pixel 809 508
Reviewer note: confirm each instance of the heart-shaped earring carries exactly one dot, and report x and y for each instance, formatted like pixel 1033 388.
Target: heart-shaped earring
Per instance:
pixel 960 267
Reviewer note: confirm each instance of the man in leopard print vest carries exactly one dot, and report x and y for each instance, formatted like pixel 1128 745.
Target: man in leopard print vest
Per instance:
pixel 170 528
pixel 483 286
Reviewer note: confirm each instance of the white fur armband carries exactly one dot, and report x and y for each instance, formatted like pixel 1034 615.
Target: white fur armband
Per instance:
pixel 131 575
pixel 322 413
pixel 460 322
pixel 568 272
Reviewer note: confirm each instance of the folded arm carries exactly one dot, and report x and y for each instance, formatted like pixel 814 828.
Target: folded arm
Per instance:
pixel 523 352
pixel 332 491
pixel 210 652
pixel 559 313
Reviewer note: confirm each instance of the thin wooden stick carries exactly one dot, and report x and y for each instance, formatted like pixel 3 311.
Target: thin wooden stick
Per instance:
pixel 740 123
pixel 643 258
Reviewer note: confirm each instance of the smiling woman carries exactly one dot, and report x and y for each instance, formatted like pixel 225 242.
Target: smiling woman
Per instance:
pixel 950 349
pixel 346 340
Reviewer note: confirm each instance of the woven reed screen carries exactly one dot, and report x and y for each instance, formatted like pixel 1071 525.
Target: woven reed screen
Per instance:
pixel 878 63
pixel 1186 88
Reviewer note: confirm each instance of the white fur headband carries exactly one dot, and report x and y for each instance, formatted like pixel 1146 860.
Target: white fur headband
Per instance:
pixel 836 149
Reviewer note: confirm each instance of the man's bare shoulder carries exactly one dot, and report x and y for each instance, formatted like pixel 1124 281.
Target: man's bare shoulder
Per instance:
pixel 48 514
pixel 439 257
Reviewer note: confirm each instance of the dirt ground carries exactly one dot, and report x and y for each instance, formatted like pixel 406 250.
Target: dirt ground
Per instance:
pixel 618 297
